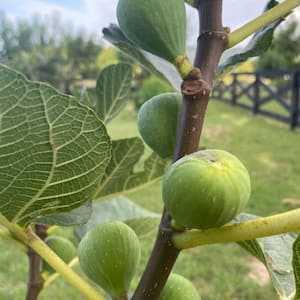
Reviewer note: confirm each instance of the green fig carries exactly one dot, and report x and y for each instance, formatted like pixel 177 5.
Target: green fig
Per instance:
pixel 179 288
pixel 156 26
pixel 206 189
pixel 62 247
pixel 157 122
pixel 109 255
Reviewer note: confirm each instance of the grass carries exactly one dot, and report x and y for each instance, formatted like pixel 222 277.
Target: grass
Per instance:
pixel 221 272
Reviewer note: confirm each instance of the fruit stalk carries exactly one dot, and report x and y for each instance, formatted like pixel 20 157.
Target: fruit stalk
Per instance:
pixel 196 90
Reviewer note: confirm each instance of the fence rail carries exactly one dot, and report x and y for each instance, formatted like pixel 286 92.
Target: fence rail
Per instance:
pixel 259 91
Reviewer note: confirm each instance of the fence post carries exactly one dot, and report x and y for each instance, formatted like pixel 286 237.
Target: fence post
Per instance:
pixel 233 89
pixel 256 94
pixel 294 116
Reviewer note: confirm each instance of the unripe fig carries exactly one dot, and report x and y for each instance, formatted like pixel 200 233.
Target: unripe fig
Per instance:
pixel 109 255
pixel 157 122
pixel 156 26
pixel 179 288
pixel 206 189
pixel 62 247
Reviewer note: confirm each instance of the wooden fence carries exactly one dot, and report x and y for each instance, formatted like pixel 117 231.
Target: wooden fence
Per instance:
pixel 271 93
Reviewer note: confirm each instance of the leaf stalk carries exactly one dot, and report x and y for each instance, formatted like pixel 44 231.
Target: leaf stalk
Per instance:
pixel 248 230
pixel 258 23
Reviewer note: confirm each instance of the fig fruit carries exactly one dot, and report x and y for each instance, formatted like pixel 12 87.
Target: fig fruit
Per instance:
pixel 179 288
pixel 157 122
pixel 206 189
pixel 62 247
pixel 156 26
pixel 109 255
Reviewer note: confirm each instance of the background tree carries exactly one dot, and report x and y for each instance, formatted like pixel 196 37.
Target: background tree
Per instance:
pixel 48 50
pixel 284 51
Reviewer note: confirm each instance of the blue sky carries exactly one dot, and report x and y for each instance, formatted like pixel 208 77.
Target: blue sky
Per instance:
pixel 93 15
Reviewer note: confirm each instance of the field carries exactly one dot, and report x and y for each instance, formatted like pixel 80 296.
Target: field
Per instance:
pixel 220 272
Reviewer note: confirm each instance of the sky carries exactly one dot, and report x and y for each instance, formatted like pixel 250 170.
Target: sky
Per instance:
pixel 93 15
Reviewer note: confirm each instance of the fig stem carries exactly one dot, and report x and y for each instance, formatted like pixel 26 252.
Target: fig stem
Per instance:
pixel 183 66
pixel 196 90
pixel 248 230
pixel 258 23
pixel 30 238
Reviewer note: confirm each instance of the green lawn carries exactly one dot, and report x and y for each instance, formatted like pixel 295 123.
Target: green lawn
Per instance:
pixel 221 272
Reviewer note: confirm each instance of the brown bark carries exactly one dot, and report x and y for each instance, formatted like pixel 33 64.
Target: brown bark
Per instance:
pixel 35 280
pixel 196 91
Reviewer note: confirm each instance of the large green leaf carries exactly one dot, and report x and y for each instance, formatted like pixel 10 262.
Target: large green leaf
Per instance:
pixel 296 266
pixel 259 43
pixel 77 216
pixel 151 63
pixel 122 209
pixel 275 253
pixel 53 150
pixel 120 176
pixel 144 227
pixel 112 89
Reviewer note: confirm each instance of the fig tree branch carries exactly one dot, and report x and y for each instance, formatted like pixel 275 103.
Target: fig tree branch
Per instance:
pixel 258 23
pixel 248 230
pixel 196 90
pixel 35 278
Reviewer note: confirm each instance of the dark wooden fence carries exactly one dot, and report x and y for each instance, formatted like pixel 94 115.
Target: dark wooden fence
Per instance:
pixel 271 93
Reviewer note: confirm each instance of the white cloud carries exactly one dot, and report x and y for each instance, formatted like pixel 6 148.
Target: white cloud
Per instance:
pixel 97 14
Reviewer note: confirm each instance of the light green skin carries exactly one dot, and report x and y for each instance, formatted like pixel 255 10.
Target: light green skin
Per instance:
pixel 62 247
pixel 206 189
pixel 179 288
pixel 157 122
pixel 156 26
pixel 109 255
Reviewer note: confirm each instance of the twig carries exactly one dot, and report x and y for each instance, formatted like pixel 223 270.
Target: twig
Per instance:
pixel 35 280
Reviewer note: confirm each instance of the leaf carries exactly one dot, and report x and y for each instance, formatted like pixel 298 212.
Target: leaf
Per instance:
pixel 296 266
pixel 276 254
pixel 112 89
pixel 77 216
pixel 120 209
pixel 53 150
pixel 151 63
pixel 144 227
pixel 192 3
pixel 260 42
pixel 120 176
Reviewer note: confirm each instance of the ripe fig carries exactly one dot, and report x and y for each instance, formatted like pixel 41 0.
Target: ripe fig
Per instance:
pixel 109 255
pixel 156 26
pixel 62 247
pixel 179 288
pixel 157 122
pixel 206 189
